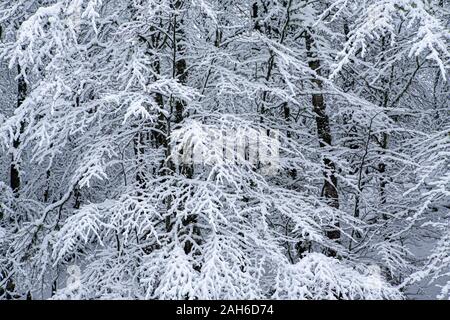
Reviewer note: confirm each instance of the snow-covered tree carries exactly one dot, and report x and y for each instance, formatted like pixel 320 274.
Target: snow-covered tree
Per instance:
pixel 223 149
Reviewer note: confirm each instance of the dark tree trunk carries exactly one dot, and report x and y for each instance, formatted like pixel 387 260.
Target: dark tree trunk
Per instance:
pixel 179 69
pixel 255 16
pixel 180 73
pixel 324 133
pixel 14 171
pixel 139 151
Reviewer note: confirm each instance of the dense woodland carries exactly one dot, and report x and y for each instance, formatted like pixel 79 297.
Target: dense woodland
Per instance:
pixel 101 98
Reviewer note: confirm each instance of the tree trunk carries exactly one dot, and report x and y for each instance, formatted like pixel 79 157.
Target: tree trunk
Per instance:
pixel 14 171
pixel 324 133
pixel 180 73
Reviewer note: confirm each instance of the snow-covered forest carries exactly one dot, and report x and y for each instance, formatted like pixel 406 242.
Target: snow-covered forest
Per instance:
pixel 225 149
